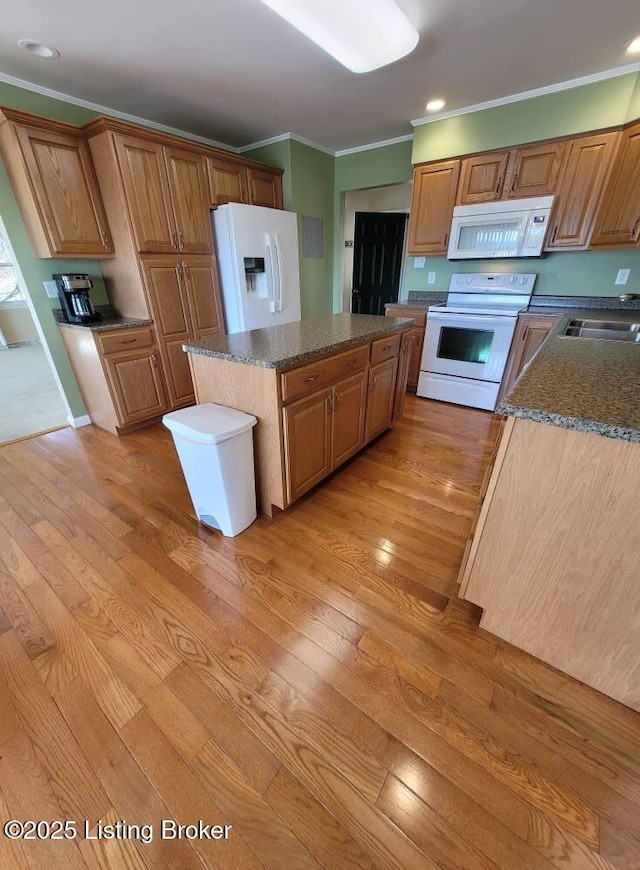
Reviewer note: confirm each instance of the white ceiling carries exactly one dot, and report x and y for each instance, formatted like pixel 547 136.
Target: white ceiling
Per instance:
pixel 234 72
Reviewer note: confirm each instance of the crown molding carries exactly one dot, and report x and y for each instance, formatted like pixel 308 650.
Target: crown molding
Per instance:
pixel 372 145
pixel 282 138
pixel 527 95
pixel 113 113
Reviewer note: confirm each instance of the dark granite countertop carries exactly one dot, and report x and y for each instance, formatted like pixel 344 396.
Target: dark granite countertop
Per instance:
pixel 583 384
pixel 110 320
pixel 287 344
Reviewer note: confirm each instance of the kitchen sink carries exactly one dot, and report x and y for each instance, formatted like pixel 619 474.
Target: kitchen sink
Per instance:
pixel 605 330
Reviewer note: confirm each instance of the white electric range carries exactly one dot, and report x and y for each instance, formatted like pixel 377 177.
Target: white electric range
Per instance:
pixel 468 338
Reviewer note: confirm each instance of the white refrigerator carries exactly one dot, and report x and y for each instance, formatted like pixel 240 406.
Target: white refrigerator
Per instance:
pixel 257 251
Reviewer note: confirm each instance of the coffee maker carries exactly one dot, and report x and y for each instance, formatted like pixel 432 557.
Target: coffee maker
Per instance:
pixel 73 292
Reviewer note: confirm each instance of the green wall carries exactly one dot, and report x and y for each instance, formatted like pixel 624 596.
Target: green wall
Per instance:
pixel 565 113
pixel 308 190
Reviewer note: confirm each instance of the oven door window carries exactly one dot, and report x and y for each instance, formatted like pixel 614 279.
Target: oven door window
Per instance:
pixel 465 345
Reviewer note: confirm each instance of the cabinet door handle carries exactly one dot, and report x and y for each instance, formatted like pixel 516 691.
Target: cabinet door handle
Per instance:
pixel 554 233
pixel 329 404
pixel 180 240
pixel 311 378
pixel 153 360
pixel 336 399
pixel 351 362
pixel 513 186
pixel 128 340
pixel 373 381
pixel 174 240
pixel 387 348
pixel 446 239
pixel 499 184
pixel 106 241
pixel 634 231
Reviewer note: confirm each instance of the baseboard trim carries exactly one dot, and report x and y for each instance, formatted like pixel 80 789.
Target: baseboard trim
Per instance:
pixel 78 422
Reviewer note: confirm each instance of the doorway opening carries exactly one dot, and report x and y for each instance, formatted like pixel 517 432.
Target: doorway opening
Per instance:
pixel 29 396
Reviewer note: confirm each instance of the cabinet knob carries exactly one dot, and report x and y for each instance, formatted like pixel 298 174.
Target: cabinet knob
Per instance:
pixel 180 240
pixel 311 378
pixel 174 240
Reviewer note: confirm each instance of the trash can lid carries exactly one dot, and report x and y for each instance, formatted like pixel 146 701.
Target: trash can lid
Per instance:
pixel 208 423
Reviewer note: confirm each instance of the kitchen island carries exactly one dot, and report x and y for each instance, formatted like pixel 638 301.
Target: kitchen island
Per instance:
pixel 320 389
pixel 554 560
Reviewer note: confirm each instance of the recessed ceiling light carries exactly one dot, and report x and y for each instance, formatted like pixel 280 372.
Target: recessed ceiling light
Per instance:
pixel 435 105
pixel 362 34
pixel 39 48
pixel 634 47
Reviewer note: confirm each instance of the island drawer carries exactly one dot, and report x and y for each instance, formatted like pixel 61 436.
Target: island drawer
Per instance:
pixel 314 376
pixel 384 348
pixel 124 339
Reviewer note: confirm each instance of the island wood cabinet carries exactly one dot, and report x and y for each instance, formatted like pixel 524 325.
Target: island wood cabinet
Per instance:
pixel 511 174
pixel 529 336
pixel 234 181
pixel 553 562
pixel 52 175
pixel 432 200
pixel 618 221
pixel 119 375
pixel 167 196
pixel 419 318
pixel 311 417
pixel 185 306
pixel 408 344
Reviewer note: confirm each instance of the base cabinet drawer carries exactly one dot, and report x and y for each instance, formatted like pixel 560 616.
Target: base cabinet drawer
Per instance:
pixel 124 339
pixel 308 379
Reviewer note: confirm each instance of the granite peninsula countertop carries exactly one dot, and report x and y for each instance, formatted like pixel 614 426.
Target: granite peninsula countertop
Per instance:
pixel 581 383
pixel 287 344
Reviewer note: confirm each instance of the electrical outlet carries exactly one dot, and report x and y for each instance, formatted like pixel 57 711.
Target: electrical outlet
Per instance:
pixel 419 262
pixel 52 289
pixel 431 278
pixel 623 276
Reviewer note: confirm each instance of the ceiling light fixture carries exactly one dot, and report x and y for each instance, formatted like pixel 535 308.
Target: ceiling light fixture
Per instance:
pixel 39 48
pixel 363 35
pixel 435 105
pixel 634 47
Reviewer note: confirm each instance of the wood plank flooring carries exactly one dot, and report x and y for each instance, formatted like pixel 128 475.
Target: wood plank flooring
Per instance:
pixel 315 683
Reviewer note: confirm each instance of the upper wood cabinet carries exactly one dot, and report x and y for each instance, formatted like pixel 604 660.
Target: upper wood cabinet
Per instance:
pixel 55 184
pixel 587 165
pixel 511 174
pixel 482 177
pixel 618 221
pixel 265 187
pixel 167 196
pixel 432 201
pixel 227 181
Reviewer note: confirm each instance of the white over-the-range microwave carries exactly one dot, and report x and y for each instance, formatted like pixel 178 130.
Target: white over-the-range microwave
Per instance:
pixel 487 230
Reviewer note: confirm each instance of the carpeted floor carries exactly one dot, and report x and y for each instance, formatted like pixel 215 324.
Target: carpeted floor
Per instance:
pixel 29 398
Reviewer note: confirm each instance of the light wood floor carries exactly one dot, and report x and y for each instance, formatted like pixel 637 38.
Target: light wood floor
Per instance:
pixel 314 682
pixel 29 398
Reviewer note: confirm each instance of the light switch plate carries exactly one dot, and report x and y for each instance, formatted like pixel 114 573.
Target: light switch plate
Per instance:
pixel 419 262
pixel 52 289
pixel 623 276
pixel 431 278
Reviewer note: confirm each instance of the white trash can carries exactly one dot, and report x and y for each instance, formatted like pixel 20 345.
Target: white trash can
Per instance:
pixel 215 448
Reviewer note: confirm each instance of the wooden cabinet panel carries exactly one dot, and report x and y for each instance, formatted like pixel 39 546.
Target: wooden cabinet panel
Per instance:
pixel 415 357
pixel 534 170
pixel 586 167
pixel 407 348
pixel 203 295
pixel 265 188
pixel 618 220
pixel 144 177
pixel 349 400
pixel 227 181
pixel 307 430
pixel 190 198
pixel 382 382
pixel 137 385
pixel 482 177
pixel 432 201
pixel 531 331
pixel 171 316
pixel 66 194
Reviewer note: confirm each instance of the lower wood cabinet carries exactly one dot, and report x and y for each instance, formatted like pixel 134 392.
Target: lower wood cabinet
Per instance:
pixel 408 346
pixel 119 374
pixel 382 386
pixel 531 331
pixel 419 317
pixel 184 304
pixel 322 431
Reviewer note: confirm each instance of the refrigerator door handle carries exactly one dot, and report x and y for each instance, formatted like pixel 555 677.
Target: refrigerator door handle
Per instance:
pixel 278 300
pixel 271 275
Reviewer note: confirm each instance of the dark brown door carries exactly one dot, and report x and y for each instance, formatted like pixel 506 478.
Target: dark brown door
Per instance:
pixel 378 248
